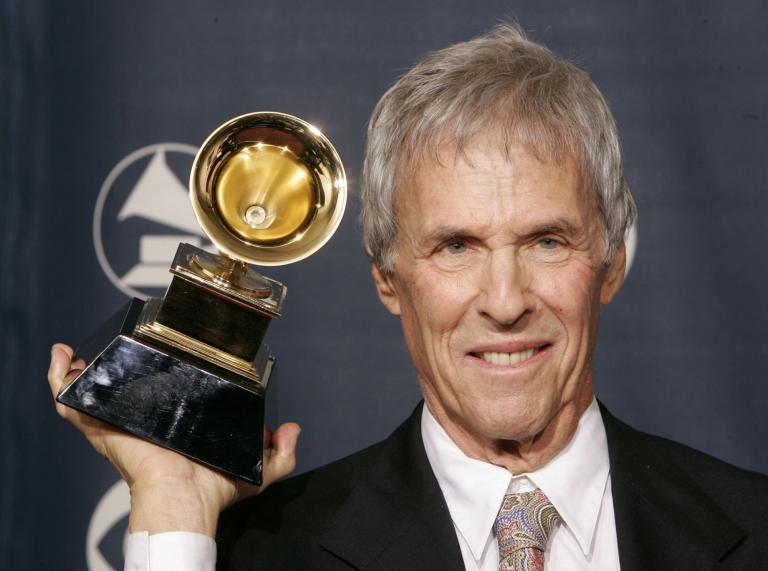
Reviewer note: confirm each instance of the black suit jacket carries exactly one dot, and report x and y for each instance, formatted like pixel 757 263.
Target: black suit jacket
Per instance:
pixel 382 508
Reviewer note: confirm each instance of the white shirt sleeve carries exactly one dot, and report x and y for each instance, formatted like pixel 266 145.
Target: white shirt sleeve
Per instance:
pixel 170 551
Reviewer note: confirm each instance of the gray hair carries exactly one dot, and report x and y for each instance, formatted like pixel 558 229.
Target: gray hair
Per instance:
pixel 503 83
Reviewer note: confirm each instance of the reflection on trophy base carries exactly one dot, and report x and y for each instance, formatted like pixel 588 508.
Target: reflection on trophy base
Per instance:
pixel 206 412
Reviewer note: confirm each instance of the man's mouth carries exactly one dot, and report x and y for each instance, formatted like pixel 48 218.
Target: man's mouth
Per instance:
pixel 504 358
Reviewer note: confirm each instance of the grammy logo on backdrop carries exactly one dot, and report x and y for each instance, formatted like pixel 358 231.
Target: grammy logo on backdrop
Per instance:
pixel 141 214
pixel 189 371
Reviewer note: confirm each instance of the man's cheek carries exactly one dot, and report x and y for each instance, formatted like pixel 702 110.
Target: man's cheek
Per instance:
pixel 561 294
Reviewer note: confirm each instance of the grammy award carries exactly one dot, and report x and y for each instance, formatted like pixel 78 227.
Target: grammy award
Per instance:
pixel 189 371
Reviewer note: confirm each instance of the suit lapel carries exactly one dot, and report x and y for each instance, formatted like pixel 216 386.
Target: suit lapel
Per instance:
pixel 396 516
pixel 664 520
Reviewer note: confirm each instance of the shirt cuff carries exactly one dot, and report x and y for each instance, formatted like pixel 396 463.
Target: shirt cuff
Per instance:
pixel 170 551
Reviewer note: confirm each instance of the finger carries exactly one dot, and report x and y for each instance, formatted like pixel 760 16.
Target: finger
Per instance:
pixel 77 365
pixel 71 376
pixel 281 458
pixel 267 441
pixel 60 364
pixel 285 438
pixel 61 372
pixel 66 348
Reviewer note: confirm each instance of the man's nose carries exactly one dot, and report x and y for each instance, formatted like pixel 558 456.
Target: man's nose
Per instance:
pixel 505 288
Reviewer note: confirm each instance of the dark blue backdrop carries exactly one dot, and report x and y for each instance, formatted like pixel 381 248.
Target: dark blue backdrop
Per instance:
pixel 88 86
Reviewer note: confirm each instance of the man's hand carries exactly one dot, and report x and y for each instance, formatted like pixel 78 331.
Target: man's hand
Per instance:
pixel 168 491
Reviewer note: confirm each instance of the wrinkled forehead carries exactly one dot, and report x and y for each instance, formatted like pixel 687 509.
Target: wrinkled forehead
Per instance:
pixel 447 148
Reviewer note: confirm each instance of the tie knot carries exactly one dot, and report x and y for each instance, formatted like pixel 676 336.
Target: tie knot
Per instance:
pixel 524 521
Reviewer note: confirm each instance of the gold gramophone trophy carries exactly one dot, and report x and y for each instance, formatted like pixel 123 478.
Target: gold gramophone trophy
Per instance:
pixel 190 371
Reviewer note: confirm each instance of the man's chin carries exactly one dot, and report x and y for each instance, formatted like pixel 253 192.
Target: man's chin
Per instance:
pixel 516 424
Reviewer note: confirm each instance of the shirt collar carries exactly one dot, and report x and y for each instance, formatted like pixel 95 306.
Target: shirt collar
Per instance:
pixel 574 481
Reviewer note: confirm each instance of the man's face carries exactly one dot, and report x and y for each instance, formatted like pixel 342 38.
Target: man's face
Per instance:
pixel 498 280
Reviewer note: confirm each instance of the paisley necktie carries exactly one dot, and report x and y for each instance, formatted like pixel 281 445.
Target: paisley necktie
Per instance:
pixel 522 529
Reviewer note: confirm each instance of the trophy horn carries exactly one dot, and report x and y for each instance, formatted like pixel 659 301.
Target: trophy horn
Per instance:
pixel 268 188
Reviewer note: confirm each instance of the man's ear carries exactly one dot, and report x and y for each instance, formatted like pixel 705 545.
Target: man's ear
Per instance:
pixel 386 289
pixel 614 275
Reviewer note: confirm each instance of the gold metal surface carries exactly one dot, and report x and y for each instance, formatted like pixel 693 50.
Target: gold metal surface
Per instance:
pixel 265 194
pixel 268 188
pixel 226 271
pixel 215 273
pixel 149 328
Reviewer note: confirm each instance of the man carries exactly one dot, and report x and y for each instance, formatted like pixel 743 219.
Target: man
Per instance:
pixel 494 213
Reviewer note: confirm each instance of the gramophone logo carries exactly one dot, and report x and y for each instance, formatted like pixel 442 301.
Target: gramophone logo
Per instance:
pixel 142 213
pixel 108 530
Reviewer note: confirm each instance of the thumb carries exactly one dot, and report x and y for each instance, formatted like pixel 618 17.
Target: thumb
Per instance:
pixel 61 359
pixel 280 458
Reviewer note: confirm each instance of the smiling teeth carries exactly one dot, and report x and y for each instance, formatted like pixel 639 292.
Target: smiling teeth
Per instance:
pixel 507 358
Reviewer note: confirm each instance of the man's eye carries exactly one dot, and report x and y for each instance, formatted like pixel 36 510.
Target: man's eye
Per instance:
pixel 549 243
pixel 456 247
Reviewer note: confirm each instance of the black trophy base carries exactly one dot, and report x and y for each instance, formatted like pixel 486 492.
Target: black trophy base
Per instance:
pixel 205 412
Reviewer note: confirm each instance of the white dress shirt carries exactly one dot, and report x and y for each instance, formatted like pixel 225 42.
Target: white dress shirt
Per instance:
pixel 576 481
pixel 170 551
